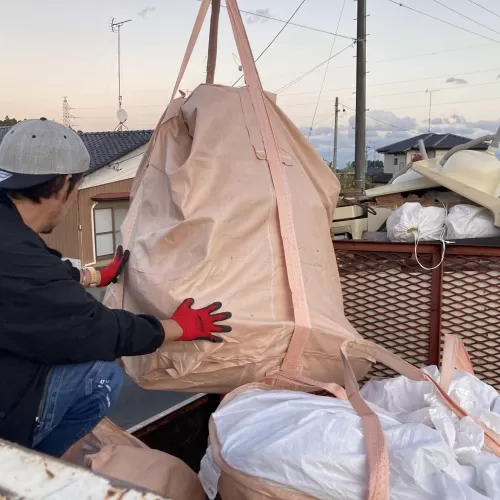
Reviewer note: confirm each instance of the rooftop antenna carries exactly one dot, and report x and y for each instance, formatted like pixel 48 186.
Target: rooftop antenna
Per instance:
pixel 121 114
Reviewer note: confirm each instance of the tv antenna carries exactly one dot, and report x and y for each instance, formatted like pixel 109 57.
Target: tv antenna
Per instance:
pixel 115 27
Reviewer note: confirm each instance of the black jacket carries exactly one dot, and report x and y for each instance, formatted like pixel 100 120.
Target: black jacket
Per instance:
pixel 47 318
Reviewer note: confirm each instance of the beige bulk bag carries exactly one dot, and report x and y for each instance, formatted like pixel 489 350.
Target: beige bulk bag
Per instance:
pixel 111 451
pixel 231 203
pixel 297 463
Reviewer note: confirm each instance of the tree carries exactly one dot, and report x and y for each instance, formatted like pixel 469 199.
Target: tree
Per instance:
pixel 374 164
pixel 8 122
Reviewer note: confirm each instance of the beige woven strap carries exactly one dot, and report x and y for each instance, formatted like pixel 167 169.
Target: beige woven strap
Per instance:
pixel 283 198
pixel 454 357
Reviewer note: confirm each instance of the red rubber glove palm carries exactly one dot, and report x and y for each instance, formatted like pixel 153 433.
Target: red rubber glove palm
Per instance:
pixel 201 324
pixel 111 272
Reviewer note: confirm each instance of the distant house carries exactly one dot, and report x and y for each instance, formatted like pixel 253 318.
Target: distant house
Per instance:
pixel 399 154
pixel 91 230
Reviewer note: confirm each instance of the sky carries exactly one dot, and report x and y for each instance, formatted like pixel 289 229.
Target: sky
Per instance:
pixel 58 48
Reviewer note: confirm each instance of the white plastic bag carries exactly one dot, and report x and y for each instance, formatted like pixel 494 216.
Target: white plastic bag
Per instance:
pixel 412 222
pixel 469 221
pixel 314 445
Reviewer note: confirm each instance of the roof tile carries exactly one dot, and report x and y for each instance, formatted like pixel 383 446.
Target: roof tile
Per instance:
pixel 431 141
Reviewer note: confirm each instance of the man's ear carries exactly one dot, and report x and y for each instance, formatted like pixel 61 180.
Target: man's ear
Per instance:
pixel 62 194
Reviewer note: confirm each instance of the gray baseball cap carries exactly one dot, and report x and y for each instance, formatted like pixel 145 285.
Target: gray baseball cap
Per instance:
pixel 35 151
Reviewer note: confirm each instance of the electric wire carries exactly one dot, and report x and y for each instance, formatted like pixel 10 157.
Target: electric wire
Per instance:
pixel 442 20
pixel 276 37
pixel 466 17
pixel 296 80
pixel 295 24
pixel 326 70
pixel 484 8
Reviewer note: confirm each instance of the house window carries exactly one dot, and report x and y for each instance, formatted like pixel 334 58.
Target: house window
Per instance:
pixel 108 219
pixel 395 161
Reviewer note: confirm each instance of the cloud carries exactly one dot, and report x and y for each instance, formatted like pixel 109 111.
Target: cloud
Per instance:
pixel 458 81
pixel 144 12
pixel 490 126
pixel 386 121
pixel 437 121
pixel 457 119
pixel 251 19
pixel 382 134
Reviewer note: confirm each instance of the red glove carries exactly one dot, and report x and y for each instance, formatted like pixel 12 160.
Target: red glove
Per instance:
pixel 200 324
pixel 111 272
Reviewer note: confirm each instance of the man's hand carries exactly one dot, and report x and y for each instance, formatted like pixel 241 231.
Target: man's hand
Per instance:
pixel 112 271
pixel 201 324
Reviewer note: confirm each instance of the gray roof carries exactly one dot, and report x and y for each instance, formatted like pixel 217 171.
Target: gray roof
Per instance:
pixel 106 147
pixel 431 141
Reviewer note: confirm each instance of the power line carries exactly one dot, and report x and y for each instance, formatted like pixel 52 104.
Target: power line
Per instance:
pixel 466 17
pixel 456 87
pixel 401 81
pixel 444 103
pixel 382 121
pixel 469 47
pixel 409 107
pixel 483 7
pixel 326 69
pixel 274 39
pixel 443 89
pixel 295 24
pixel 406 57
pixel 331 90
pixel 442 21
pixel 293 82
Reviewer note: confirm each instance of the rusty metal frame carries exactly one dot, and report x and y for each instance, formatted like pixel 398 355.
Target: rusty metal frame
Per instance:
pixel 364 252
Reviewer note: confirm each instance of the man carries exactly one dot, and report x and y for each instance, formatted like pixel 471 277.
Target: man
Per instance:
pixel 58 345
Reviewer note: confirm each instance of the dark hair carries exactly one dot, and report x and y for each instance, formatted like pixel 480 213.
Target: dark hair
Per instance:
pixel 45 190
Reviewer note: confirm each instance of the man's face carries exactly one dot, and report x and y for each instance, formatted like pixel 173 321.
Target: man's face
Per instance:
pixel 58 206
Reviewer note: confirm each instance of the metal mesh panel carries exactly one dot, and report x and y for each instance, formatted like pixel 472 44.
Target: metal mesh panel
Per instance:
pixel 387 298
pixel 471 309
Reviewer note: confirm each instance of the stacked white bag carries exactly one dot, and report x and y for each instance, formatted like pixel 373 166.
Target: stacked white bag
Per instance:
pixel 412 222
pixel 470 221
pixel 314 446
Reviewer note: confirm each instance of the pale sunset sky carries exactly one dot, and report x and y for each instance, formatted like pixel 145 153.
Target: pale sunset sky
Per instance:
pixel 57 48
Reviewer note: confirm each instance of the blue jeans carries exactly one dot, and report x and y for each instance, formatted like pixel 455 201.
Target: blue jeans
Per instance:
pixel 77 398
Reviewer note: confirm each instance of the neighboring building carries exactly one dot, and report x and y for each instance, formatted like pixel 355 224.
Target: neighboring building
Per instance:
pixel 399 154
pixel 90 232
pixel 377 176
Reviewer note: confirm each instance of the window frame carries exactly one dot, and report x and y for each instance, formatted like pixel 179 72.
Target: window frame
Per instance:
pixel 103 205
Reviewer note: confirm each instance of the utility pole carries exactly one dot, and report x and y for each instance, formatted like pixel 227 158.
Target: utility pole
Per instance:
pixel 360 157
pixel 335 135
pixel 430 92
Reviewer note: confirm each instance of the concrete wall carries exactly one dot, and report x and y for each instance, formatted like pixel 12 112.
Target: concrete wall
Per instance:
pixel 389 163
